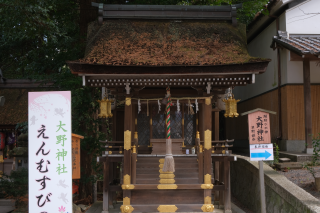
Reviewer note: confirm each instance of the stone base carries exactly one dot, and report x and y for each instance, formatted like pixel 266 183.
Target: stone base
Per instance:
pixel 310 151
pixel 296 157
pixel 292 146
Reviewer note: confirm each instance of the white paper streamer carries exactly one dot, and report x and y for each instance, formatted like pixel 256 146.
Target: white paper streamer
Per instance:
pixel 197 107
pixel 159 109
pixel 178 106
pixel 139 106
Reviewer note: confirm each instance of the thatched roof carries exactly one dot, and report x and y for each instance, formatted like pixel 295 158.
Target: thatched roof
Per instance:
pixel 166 43
pixel 15 109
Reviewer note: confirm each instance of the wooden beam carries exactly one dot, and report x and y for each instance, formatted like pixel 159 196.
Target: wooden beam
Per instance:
pixel 296 57
pixel 307 104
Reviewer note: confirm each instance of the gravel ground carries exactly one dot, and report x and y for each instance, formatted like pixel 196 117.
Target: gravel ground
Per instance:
pixel 303 179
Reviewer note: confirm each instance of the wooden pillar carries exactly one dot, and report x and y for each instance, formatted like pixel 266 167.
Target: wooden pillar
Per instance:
pixel 182 120
pixel 216 163
pixel 221 180
pixel 307 104
pixel 227 189
pixel 105 208
pixel 111 178
pixel 128 136
pixel 207 135
pixel 206 122
pixel 150 123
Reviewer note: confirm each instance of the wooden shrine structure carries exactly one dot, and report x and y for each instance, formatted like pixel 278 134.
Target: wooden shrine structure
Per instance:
pixel 136 52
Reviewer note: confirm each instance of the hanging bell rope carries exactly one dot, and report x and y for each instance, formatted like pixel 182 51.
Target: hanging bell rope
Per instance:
pixel 168 160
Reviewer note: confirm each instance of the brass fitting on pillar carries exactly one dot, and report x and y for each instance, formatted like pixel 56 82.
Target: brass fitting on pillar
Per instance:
pixel 134 149
pixel 135 135
pixel 198 134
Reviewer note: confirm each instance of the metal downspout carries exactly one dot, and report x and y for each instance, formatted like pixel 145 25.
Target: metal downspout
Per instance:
pixel 279 89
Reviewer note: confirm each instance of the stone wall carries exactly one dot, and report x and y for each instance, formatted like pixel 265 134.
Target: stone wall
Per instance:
pixel 282 196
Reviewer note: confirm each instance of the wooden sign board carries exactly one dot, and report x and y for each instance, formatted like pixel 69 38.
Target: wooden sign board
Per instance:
pixel 76 156
pixel 259 128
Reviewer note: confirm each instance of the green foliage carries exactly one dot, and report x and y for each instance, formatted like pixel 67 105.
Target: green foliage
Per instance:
pixel 15 186
pixel 276 154
pixel 22 127
pixel 315 156
pixel 37 36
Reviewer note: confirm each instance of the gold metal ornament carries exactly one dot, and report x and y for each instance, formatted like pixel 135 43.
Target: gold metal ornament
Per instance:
pixel 128 101
pixel 167 186
pixel 166 176
pixel 207 182
pixel 161 160
pixel 231 107
pixel 201 149
pixel 207 139
pixel 135 135
pixel 207 200
pixel 110 152
pixel 126 207
pixel 167 181
pixel 198 134
pixel 207 208
pixel 1 159
pixel 167 208
pixel 127 140
pixel 134 149
pixel 103 108
pixel 208 101
pixel 127 183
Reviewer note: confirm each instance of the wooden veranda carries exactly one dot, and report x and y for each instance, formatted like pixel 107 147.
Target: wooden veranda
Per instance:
pixel 198 52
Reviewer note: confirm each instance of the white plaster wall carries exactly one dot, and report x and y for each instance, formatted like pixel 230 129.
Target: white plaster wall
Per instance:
pixel 260 47
pixel 295 71
pixel 304 18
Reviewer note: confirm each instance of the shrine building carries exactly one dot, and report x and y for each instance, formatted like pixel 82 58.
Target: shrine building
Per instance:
pixel 164 70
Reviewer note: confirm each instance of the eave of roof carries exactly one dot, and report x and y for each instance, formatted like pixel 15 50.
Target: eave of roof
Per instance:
pixel 299 44
pixel 258 67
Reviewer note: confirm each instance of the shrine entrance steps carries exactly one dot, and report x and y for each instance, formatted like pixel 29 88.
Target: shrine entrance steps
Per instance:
pixel 148 195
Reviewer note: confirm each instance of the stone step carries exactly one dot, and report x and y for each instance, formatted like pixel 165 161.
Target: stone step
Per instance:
pixel 6 202
pixel 296 157
pixel 289 165
pixel 283 160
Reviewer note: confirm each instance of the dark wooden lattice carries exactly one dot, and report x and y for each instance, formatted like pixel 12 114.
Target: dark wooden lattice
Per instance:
pixel 176 122
pixel 189 126
pixel 158 122
pixel 143 126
